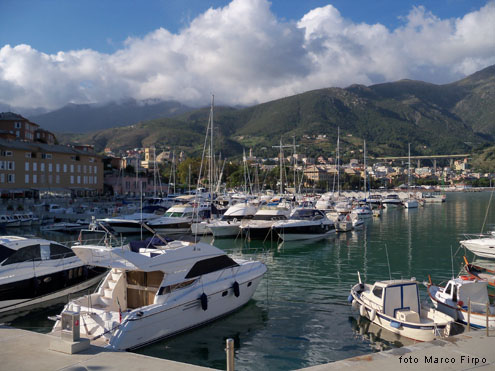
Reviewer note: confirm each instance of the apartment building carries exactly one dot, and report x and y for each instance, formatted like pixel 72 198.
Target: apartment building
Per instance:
pixel 32 167
pixel 15 126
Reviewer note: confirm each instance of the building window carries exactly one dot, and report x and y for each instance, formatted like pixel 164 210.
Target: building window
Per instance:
pixel 85 179
pixel 10 178
pixel 28 154
pixel 65 168
pixel 57 179
pixel 95 182
pixel 26 178
pixel 26 166
pixel 84 169
pixel 78 179
pixel 49 156
pixel 57 168
pixel 17 133
pixel 42 178
pixel 71 168
pixel 42 166
pixel 50 167
pixel 10 165
pixel 72 179
pixel 2 165
pixel 2 178
pixel 8 153
pixel 79 169
pixel 50 179
pixel 95 169
pixel 35 166
pixel 35 179
pixel 17 125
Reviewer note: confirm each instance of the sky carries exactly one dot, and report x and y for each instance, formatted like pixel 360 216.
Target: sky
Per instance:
pixel 55 52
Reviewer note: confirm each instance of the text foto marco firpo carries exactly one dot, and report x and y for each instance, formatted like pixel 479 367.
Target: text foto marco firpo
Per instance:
pixel 443 360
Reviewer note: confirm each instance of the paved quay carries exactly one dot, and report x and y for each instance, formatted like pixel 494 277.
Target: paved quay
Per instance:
pixel 467 351
pixel 25 350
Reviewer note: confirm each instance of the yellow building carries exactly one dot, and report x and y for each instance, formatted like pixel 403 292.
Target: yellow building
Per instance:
pixel 28 167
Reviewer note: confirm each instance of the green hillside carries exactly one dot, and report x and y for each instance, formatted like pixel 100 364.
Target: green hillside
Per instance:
pixel 435 119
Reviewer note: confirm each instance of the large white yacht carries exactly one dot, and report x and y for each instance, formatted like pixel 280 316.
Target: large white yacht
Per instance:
pixel 305 224
pixel 261 225
pixel 131 223
pixel 155 290
pixel 229 224
pixel 178 218
pixel 483 246
pixel 35 271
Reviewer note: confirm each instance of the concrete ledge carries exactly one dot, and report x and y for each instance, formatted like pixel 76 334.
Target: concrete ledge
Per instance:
pixel 69 347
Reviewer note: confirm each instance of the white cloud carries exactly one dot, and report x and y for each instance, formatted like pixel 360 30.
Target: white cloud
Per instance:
pixel 245 55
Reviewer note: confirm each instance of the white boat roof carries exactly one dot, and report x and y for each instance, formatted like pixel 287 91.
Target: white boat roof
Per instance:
pixel 394 283
pixel 174 257
pixel 16 242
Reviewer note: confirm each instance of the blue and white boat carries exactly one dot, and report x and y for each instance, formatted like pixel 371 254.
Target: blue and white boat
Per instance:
pixel 395 306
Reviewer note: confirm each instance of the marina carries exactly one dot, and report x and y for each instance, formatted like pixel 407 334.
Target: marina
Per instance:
pixel 299 315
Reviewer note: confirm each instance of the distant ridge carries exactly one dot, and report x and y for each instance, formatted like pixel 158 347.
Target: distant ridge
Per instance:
pixel 82 118
pixel 436 119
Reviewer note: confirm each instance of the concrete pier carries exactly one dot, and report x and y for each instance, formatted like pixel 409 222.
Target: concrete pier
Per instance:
pixel 467 351
pixel 25 350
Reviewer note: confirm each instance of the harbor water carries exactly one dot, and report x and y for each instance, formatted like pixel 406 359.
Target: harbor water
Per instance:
pixel 299 315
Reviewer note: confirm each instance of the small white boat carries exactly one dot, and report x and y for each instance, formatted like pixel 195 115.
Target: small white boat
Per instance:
pixel 395 306
pixel 411 203
pixel 64 227
pixel 392 200
pixel 454 297
pixel 229 224
pixel 484 246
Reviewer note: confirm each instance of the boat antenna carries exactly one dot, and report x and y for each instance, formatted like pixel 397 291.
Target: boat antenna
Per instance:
pixel 388 263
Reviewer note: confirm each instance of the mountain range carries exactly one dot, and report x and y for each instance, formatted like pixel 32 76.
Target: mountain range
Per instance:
pixel 435 119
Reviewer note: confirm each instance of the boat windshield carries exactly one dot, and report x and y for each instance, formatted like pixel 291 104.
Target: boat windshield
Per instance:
pixel 307 215
pixel 269 217
pixel 176 214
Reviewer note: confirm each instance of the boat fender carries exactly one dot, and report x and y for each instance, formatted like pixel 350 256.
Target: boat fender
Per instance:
pixel 350 298
pixel 234 220
pixel 355 304
pixel 372 315
pixel 235 286
pixel 460 303
pixel 204 301
pixel 362 310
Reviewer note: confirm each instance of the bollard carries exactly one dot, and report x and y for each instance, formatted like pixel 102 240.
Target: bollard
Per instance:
pixel 469 315
pixel 487 311
pixel 229 349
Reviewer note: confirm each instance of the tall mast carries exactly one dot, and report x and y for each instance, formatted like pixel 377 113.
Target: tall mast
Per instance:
pixel 409 166
pixel 281 170
pixel 212 156
pixel 365 174
pixel 338 160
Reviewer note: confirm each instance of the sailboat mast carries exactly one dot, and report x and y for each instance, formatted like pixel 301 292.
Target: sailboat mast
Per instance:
pixel 338 161
pixel 281 170
pixel 365 174
pixel 212 156
pixel 409 167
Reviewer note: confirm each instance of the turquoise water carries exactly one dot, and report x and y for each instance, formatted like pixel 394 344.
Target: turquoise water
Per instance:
pixel 299 315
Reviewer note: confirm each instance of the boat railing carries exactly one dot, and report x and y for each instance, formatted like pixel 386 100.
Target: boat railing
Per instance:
pixel 472 236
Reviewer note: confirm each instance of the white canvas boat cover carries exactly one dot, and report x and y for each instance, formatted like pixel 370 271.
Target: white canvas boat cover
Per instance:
pixel 476 291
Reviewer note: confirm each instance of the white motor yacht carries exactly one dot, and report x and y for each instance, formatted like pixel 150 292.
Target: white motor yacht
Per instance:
pixel 395 306
pixel 178 218
pixel 392 200
pixel 484 246
pixel 305 224
pixel 411 203
pixel 130 223
pixel 229 224
pixel 260 226
pixel 156 290
pixel 35 271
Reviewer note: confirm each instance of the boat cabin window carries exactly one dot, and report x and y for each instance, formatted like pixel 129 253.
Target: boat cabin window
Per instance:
pixel 168 289
pixel 211 265
pixel 454 293
pixel 448 289
pixel 45 252
pixel 378 291
pixel 28 253
pixel 269 217
pixel 59 252
pixel 5 252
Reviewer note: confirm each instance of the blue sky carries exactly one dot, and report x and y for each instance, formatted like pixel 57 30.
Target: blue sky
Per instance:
pixel 54 52
pixel 61 25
